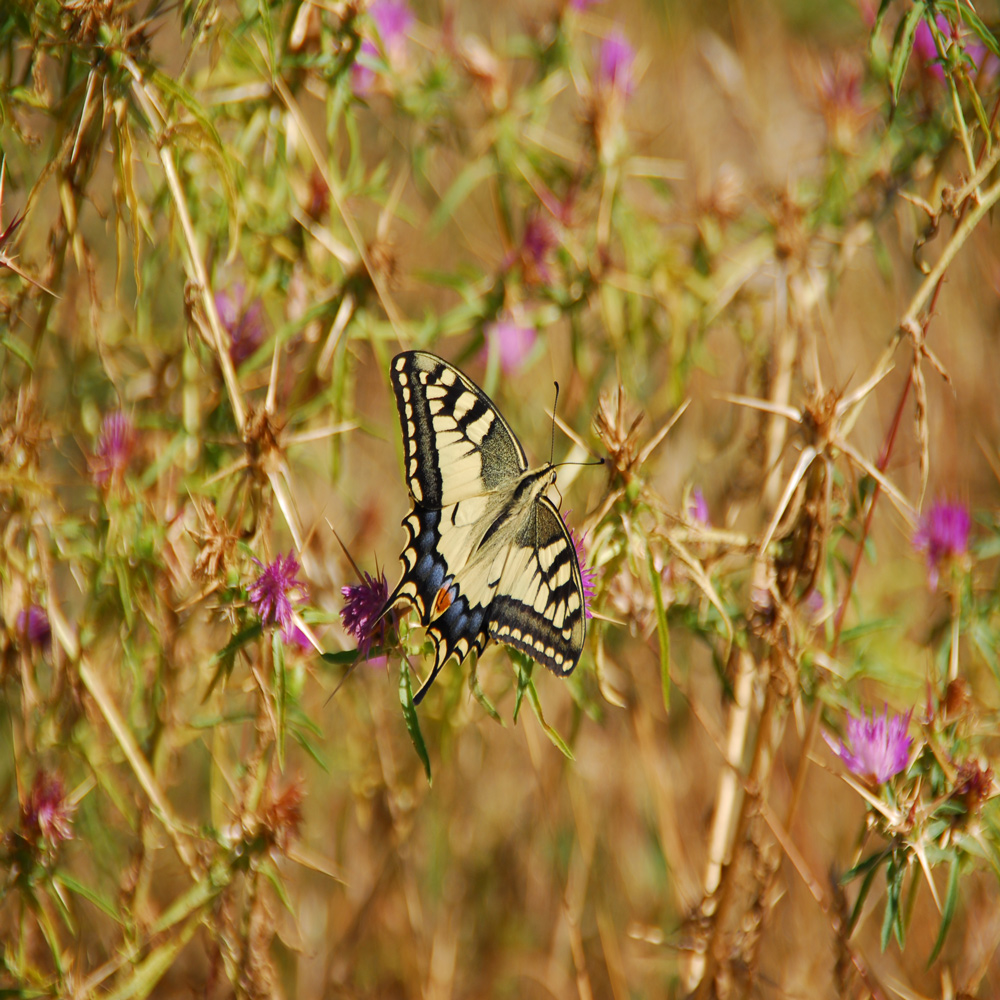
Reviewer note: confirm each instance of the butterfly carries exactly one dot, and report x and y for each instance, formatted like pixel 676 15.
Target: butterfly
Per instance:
pixel 488 555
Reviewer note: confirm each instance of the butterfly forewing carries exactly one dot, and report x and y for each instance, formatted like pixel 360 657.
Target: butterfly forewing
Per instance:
pixel 487 554
pixel 456 443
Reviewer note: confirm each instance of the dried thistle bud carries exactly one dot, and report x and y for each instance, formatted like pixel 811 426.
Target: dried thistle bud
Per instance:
pixel 217 544
pixel 973 785
pixel 618 430
pixel 281 813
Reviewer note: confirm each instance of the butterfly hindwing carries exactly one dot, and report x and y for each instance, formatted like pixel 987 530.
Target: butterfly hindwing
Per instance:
pixel 487 554
pixel 538 607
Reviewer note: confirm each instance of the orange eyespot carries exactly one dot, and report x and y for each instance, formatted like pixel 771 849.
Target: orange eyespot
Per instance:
pixel 442 602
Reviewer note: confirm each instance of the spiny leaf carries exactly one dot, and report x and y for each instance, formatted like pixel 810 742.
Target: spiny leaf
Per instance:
pixel 902 46
pixel 948 912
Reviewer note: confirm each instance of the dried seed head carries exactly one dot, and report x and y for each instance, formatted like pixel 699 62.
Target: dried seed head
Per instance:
pixel 727 196
pixel 791 241
pixel 973 786
pixel 21 431
pixel 217 543
pixel 618 431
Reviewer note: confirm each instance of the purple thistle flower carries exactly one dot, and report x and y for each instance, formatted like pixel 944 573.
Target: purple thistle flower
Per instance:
pixel 33 626
pixel 243 323
pixel 582 5
pixel 615 63
pixel 812 606
pixel 586 572
pixel 363 76
pixel 698 507
pixel 393 19
pixel 363 604
pixel 269 593
pixel 513 343
pixel 47 816
pixel 296 637
pixel 942 534
pixel 537 244
pixel 877 748
pixel 114 449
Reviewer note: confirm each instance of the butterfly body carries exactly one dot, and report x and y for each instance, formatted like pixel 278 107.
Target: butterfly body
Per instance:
pixel 488 554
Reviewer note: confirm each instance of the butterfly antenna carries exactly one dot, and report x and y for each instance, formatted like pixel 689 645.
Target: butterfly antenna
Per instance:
pixel 552 445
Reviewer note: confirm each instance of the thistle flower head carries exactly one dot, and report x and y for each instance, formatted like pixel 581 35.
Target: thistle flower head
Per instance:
pixel 697 509
pixel 270 592
pixel 614 81
pixel 363 604
pixel 842 101
pixel 537 245
pixel 114 449
pixel 512 342
pixel 34 628
pixel 942 535
pixel 877 748
pixel 47 816
pixel 586 572
pixel 615 62
pixel 393 19
pixel 244 323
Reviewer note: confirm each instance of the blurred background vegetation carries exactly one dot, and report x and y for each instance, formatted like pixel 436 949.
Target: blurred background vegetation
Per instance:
pixel 753 241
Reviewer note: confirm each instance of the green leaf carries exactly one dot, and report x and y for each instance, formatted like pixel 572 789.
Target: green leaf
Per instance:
pixel 470 178
pixel 145 976
pixel 87 893
pixel 870 862
pixel 264 9
pixel 281 693
pixel 342 658
pixel 557 740
pixel 524 666
pixel 477 692
pixel 902 46
pixel 411 720
pixel 888 919
pixel 661 628
pixel 866 884
pixel 950 903
pixel 976 23
pixel 18 349
pixel 199 896
pixel 226 656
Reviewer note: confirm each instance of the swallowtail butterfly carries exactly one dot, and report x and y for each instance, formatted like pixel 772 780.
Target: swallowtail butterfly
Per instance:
pixel 487 555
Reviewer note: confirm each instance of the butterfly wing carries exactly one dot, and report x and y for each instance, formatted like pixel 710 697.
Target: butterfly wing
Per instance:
pixel 538 606
pixel 477 563
pixel 456 444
